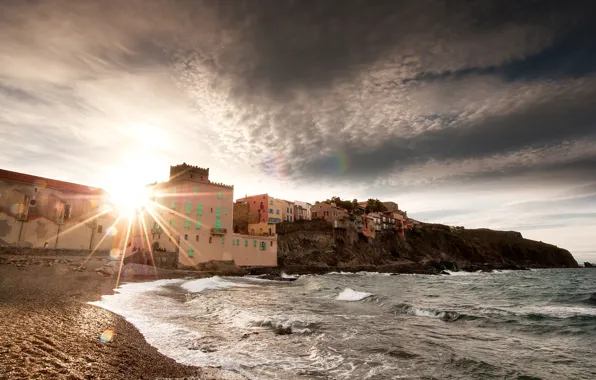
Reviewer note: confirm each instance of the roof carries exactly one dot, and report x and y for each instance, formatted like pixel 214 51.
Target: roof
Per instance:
pixel 43 182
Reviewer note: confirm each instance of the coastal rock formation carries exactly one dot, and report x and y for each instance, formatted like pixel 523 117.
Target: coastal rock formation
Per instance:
pixel 431 248
pixel 589 265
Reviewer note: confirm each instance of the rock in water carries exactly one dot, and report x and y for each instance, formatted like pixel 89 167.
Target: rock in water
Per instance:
pixel 589 265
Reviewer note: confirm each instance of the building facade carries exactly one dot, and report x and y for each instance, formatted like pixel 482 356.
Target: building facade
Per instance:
pixel 328 212
pixel 305 210
pixel 193 216
pixel 287 214
pixel 42 212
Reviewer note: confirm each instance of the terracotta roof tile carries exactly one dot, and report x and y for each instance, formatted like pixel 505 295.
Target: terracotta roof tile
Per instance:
pixel 8 175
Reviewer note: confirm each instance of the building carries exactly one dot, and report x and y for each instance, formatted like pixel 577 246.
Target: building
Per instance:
pixel 391 206
pixel 268 208
pixel 193 216
pixel 387 221
pixel 328 212
pixel 42 212
pixel 306 210
pixel 287 214
pixel 300 212
pixel 262 229
pixel 369 226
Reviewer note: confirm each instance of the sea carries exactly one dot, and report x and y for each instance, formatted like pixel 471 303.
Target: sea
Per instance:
pixel 538 324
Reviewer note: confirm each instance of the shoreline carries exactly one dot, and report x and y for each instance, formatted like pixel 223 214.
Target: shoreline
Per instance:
pixel 51 330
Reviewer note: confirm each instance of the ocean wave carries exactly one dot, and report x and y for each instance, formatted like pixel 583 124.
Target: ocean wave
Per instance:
pixel 211 283
pixel 294 326
pixel 284 275
pixel 445 315
pixel 361 273
pixel 352 295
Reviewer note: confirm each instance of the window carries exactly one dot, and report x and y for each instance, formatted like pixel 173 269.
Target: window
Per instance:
pixel 155 225
pixel 198 225
pixel 246 242
pixel 210 239
pixel 272 243
pixel 255 243
pixel 223 240
pixel 172 223
pixel 200 209
pixel 218 211
pixel 270 211
pixel 233 241
pixel 100 229
pixel 196 190
pixel 271 202
pixel 188 206
pixel 187 223
pixel 173 205
pixel 197 238
pixel 212 210
pixel 158 236
pixel 217 223
pixel 185 236
pixel 277 211
pixel 219 195
pixel 191 252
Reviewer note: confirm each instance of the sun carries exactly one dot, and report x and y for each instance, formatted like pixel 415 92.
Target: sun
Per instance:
pixel 127 188
pixel 127 198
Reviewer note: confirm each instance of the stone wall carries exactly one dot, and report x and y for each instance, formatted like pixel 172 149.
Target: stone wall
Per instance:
pixel 162 259
pixel 240 220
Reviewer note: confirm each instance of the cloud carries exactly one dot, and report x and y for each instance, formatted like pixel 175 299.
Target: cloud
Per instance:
pixel 381 98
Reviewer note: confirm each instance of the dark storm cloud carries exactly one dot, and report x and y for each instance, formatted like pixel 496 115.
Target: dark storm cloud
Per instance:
pixel 543 124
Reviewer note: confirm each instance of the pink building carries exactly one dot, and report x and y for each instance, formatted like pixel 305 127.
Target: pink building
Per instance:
pixel 268 208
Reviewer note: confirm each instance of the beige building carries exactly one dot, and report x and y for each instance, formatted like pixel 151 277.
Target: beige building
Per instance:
pixel 192 215
pixel 42 212
pixel 302 210
pixel 287 211
pixel 328 212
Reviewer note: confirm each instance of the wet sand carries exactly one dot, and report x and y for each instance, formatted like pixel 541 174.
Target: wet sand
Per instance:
pixel 49 331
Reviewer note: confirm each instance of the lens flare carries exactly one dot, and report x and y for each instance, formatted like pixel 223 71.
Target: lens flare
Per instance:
pixel 114 253
pixel 111 231
pixel 107 335
pixel 341 162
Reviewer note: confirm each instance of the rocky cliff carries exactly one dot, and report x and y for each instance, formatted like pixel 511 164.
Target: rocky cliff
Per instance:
pixel 317 247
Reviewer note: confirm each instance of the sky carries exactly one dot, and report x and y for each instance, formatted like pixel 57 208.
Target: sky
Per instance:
pixel 466 113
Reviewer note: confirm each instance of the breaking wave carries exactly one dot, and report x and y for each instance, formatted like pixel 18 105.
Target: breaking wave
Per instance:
pixel 445 315
pixel 352 295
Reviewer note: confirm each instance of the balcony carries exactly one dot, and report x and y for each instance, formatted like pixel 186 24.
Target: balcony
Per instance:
pixel 157 230
pixel 219 231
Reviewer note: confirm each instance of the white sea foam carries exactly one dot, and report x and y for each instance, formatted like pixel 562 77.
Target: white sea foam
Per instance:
pixel 284 275
pixel 211 283
pixel 558 311
pixel 462 273
pixel 352 295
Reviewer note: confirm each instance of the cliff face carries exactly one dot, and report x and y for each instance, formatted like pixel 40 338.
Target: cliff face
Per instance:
pixel 312 246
